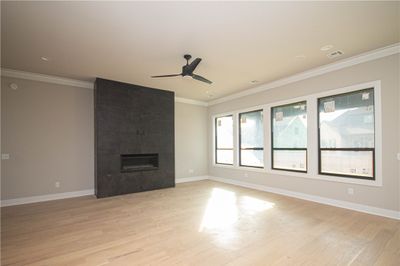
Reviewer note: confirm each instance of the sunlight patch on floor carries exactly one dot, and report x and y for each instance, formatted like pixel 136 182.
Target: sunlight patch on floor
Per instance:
pixel 252 205
pixel 223 211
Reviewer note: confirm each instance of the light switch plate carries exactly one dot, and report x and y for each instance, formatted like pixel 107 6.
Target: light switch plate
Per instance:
pixel 5 156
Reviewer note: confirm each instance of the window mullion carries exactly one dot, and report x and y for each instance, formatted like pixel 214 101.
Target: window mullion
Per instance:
pixel 312 135
pixel 235 140
pixel 267 138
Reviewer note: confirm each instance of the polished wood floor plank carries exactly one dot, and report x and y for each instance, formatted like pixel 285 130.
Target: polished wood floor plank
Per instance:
pixel 197 223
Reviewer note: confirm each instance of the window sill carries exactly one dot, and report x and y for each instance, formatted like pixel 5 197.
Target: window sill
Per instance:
pixel 374 183
pixel 252 169
pixel 224 165
pixel 348 180
pixel 242 168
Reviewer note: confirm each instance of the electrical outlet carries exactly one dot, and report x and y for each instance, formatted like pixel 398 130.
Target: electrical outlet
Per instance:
pixel 191 171
pixel 350 191
pixel 57 184
pixel 5 156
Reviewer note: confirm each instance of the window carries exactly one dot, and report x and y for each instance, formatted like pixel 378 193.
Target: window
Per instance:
pixel 224 140
pixel 347 134
pixel 331 135
pixel 289 137
pixel 251 140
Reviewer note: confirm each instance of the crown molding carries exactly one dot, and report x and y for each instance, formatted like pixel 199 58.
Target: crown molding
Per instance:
pixel 348 62
pixel 45 78
pixel 5 72
pixel 190 101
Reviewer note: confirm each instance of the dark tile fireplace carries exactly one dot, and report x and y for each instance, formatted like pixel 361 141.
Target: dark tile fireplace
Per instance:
pixel 134 138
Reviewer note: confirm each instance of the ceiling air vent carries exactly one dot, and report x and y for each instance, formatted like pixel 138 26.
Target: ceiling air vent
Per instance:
pixel 335 54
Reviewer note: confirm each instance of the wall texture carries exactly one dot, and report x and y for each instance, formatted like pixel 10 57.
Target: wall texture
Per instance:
pixel 190 140
pixel 384 69
pixel 48 131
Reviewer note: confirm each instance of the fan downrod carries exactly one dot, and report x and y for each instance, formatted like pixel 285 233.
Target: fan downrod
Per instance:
pixel 187 57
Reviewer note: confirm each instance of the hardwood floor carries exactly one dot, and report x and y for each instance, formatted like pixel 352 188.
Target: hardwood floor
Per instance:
pixel 198 223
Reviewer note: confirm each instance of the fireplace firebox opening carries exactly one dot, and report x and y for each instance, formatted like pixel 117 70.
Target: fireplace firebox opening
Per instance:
pixel 138 162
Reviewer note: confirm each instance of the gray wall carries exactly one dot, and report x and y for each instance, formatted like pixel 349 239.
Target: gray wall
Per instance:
pixel 48 131
pixel 384 69
pixel 190 140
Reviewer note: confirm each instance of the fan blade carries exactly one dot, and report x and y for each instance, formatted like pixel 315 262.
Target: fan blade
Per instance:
pixel 165 76
pixel 200 78
pixel 192 66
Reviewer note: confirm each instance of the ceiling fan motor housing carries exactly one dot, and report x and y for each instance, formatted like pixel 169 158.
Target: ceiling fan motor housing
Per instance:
pixel 185 71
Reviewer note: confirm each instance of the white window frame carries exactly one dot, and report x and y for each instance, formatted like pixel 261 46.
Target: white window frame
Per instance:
pixel 214 132
pixel 312 136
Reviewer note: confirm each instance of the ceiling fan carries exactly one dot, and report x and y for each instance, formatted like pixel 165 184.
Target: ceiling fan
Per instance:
pixel 187 70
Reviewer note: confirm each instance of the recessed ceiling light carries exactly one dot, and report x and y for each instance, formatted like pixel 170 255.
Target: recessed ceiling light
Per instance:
pixel 254 81
pixel 44 58
pixel 13 86
pixel 326 47
pixel 300 56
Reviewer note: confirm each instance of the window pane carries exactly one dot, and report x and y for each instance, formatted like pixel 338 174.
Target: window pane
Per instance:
pixel 225 156
pixel 357 163
pixel 289 126
pixel 289 131
pixel 251 130
pixel 224 127
pixel 251 136
pixel 252 158
pixel 290 160
pixel 347 120
pixel 224 139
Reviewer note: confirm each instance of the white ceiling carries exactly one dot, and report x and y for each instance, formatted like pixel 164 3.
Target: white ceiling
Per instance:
pixel 238 41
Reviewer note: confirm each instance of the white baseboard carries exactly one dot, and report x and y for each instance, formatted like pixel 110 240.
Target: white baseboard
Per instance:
pixel 65 195
pixel 190 179
pixel 337 203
